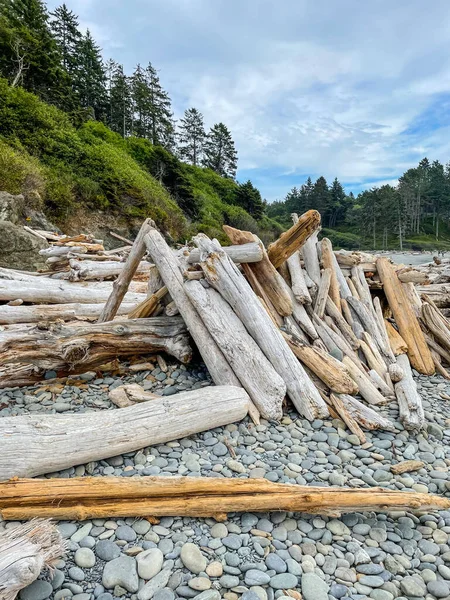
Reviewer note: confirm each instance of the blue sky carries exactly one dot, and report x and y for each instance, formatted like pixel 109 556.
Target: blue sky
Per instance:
pixel 307 87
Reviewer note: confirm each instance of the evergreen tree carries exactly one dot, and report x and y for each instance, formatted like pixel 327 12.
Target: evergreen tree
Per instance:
pixel 90 77
pixel 250 199
pixel 293 201
pixel 66 31
pixel 120 106
pixel 337 204
pixel 161 127
pixel 140 98
pixel 191 136
pixel 219 150
pixel 320 196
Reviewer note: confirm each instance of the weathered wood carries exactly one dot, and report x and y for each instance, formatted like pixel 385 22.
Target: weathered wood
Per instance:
pixel 102 497
pixel 299 287
pixel 62 251
pixel 409 402
pixel 339 405
pixel 52 312
pixel 268 277
pixel 244 253
pixel 257 376
pixel 436 323
pixel 381 385
pixel 396 372
pixel 121 284
pixel 408 325
pixel 169 268
pixel 89 269
pixel 438 292
pixel 366 417
pixel 407 466
pixel 302 318
pixel 397 343
pixel 366 388
pixel 76 348
pixel 412 275
pixel 344 328
pixel 311 260
pixel 147 308
pixel 328 369
pixel 369 321
pixel 328 262
pixel 294 238
pixel 322 293
pixel 224 276
pixel 25 551
pixel 37 444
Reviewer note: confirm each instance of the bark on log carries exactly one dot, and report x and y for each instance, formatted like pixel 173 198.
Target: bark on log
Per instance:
pixel 37 444
pixel 244 253
pixel 224 276
pixel 322 293
pixel 299 287
pixel 294 238
pixel 52 312
pixel 25 551
pixel 121 284
pixel 268 277
pixel 168 267
pixel 408 325
pixel 366 388
pixel 257 376
pixel 409 402
pixel 328 262
pixel 103 497
pixel 80 347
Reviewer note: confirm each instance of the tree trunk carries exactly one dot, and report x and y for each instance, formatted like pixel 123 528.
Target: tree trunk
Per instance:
pixel 322 293
pixel 311 259
pixel 37 444
pixel 328 262
pixel 409 401
pixel 53 312
pixel 89 269
pixel 245 253
pixel 299 287
pixel 262 383
pixel 224 276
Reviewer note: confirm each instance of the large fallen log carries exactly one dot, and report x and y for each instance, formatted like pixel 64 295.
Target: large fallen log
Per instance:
pixel 169 269
pixel 263 384
pixel 25 551
pixel 89 269
pixel 311 259
pixel 299 287
pixel 329 262
pixel 294 238
pixel 408 325
pixel 37 444
pixel 101 497
pixel 52 312
pixel 225 277
pixel 245 253
pixel 79 347
pixel 410 403
pixel 268 277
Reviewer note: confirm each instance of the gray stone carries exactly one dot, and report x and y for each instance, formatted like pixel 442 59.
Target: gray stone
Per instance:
pixel 283 581
pixel 338 527
pixel 154 585
pixel 38 590
pixel 413 586
pixel 254 577
pixel 149 563
pixel 121 571
pixel 208 595
pixel 165 594
pixel 438 588
pixel 275 562
pixel 232 541
pixel 76 574
pixel 371 581
pixel 126 533
pixel 192 558
pixel 67 529
pixel 337 590
pixel 229 581
pixel 314 588
pixel 84 558
pixel 20 249
pixel 107 550
pixel 220 449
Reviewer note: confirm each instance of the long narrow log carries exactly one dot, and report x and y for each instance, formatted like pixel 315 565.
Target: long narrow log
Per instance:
pixel 366 388
pixel 169 269
pixel 344 327
pixel 121 284
pixel 311 260
pixel 37 444
pixel 381 385
pixel 224 276
pixel 245 253
pixel 89 269
pixel 80 347
pixel 322 293
pixel 294 238
pixel 370 322
pixel 437 324
pixel 408 325
pixel 410 403
pixel 25 551
pixel 268 277
pixel 257 376
pixel 299 287
pixel 51 312
pixel 147 308
pixel 329 262
pixel 102 497
pixel 365 416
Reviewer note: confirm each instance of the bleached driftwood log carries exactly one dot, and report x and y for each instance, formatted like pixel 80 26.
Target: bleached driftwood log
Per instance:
pixel 329 262
pixel 381 385
pixel 169 268
pixel 121 284
pixel 244 253
pixel 344 328
pixel 102 497
pixel 365 416
pixel 369 321
pixel 436 323
pixel 294 238
pixel 299 287
pixel 224 276
pixel 37 444
pixel 366 388
pixel 408 325
pixel 264 272
pixel 88 269
pixel 322 293
pixel 52 312
pixel 79 347
pixel 310 258
pixel 25 551
pixel 62 251
pixel 263 384
pixel 148 307
pixel 409 402
pixel 438 292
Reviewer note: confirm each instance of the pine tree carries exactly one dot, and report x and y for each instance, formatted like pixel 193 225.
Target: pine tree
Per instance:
pixel 90 77
pixel 337 204
pixel 161 125
pixel 140 99
pixel 219 150
pixel 250 199
pixel 120 109
pixel 320 196
pixel 66 31
pixel 191 136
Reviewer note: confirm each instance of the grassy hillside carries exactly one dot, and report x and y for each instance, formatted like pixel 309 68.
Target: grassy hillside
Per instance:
pixel 63 166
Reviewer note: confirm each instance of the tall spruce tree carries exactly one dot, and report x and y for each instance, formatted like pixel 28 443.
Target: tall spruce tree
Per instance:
pixel 66 31
pixel 250 199
pixel 191 136
pixel 219 150
pixel 337 204
pixel 90 77
pixel 140 99
pixel 320 195
pixel 160 125
pixel 120 106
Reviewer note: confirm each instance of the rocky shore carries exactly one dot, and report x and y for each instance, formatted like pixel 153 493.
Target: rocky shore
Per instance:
pixel 255 556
